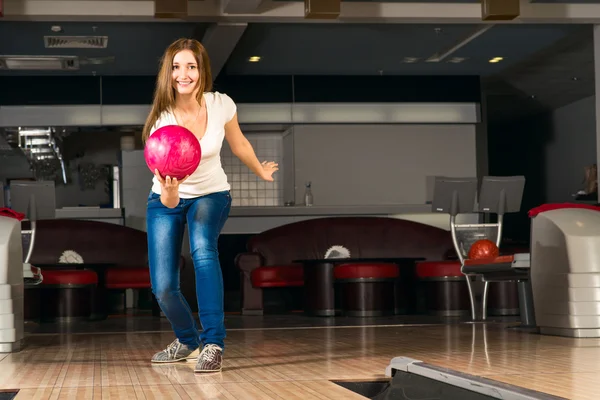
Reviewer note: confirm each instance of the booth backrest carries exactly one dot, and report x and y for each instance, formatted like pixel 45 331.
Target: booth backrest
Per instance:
pixel 96 242
pixel 363 236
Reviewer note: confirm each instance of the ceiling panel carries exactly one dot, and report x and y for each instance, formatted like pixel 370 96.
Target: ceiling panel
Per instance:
pixel 464 1
pixel 137 47
pixel 566 1
pixel 413 1
pixel 539 60
pixel 382 48
pixel 554 77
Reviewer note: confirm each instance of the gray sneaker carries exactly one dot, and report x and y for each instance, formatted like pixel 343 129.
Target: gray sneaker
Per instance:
pixel 175 352
pixel 210 359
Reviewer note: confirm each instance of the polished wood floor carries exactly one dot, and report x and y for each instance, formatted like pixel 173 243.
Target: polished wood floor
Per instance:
pixel 294 363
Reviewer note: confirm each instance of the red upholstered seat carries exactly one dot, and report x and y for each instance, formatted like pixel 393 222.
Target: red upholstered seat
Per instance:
pixel 444 286
pixel 366 237
pixel 366 270
pixel 278 276
pixel 128 278
pixel 68 277
pixel 438 269
pixel 367 288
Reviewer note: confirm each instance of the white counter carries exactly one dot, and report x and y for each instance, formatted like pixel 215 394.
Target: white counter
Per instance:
pixel 281 211
pixel 111 215
pixel 248 220
pixel 245 220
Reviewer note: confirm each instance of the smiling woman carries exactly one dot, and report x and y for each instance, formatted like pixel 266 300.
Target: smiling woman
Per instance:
pixel 185 69
pixel 201 200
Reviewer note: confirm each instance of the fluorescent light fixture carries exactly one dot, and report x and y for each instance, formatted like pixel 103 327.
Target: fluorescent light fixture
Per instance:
pixel 45 63
pixel 456 60
pixel 410 60
pixel 496 59
pixel 254 59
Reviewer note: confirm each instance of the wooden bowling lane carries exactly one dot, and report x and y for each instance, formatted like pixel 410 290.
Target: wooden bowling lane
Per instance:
pixel 295 363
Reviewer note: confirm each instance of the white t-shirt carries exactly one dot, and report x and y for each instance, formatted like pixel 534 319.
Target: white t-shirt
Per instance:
pixel 209 177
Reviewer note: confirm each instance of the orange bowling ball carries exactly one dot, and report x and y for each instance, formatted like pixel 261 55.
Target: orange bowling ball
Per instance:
pixel 483 249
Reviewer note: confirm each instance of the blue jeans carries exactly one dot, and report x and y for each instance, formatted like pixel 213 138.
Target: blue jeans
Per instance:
pixel 205 217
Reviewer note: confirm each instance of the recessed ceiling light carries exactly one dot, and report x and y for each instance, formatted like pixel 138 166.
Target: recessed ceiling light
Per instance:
pixel 410 60
pixel 456 60
pixel 496 59
pixel 254 59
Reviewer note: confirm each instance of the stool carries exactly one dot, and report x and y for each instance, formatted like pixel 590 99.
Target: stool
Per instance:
pixel 503 298
pixel 64 295
pixel 445 288
pixel 119 279
pixel 367 288
pixel 279 288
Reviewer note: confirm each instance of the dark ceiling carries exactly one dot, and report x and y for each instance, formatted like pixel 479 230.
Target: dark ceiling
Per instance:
pixel 556 76
pixel 337 49
pixel 544 65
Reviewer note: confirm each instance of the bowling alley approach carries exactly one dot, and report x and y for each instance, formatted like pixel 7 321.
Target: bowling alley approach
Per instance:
pixel 285 199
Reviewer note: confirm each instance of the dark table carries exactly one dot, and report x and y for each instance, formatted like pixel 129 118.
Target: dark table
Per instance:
pixel 319 281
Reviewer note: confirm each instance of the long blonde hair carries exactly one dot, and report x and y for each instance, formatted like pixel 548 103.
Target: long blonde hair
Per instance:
pixel 164 93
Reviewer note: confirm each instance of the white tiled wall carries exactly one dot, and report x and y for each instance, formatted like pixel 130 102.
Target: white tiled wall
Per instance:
pixel 246 188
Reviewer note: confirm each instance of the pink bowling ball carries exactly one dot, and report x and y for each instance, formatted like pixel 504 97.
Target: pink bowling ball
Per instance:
pixel 174 151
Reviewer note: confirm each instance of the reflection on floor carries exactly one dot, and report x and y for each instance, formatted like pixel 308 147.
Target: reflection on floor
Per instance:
pixel 289 357
pixel 144 322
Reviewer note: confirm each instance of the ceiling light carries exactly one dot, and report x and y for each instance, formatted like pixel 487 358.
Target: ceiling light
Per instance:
pixel 254 59
pixel 39 62
pixel 496 59
pixel 410 60
pixel 456 60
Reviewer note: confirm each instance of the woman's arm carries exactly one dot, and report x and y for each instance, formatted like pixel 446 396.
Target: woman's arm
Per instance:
pixel 242 149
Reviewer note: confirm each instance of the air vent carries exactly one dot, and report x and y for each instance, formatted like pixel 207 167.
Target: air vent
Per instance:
pixel 76 42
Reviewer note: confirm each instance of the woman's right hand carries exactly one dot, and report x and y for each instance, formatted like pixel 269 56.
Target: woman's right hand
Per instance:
pixel 169 194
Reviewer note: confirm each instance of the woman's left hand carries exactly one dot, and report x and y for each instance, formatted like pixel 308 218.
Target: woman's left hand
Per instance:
pixel 268 168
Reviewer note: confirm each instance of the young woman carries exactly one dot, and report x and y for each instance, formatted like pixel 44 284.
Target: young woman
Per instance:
pixel 201 200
